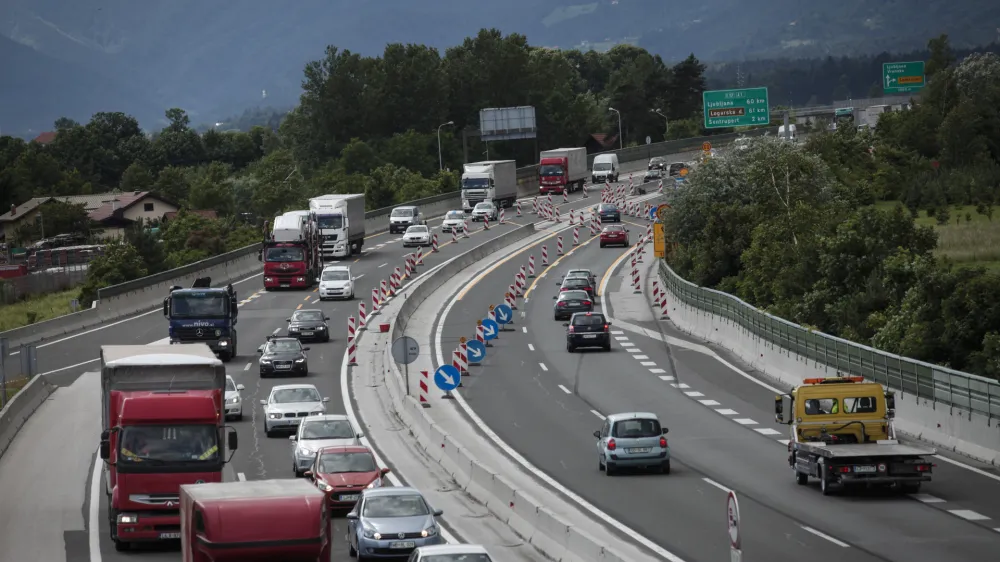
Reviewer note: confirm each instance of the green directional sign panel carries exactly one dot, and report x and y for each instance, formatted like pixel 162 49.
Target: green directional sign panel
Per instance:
pixel 736 108
pixel 902 77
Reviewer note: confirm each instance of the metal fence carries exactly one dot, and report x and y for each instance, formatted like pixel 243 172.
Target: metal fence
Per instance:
pixel 941 385
pixel 45 271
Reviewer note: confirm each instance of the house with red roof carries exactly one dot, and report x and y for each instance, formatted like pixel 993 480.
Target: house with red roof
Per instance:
pixel 113 212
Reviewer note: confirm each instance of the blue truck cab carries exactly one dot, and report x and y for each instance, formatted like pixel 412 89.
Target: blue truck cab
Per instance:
pixel 203 314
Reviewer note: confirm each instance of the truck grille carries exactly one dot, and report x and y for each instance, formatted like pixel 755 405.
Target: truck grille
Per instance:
pixel 192 333
pixel 330 237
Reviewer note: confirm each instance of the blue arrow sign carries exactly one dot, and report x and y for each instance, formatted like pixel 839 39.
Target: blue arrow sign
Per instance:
pixel 477 351
pixel 504 314
pixel 652 212
pixel 490 329
pixel 447 378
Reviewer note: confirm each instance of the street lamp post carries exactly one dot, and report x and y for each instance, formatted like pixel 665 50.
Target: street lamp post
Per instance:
pixel 440 159
pixel 660 113
pixel 620 140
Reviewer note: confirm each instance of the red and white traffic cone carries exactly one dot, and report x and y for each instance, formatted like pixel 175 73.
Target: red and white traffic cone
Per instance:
pixel 531 266
pixel 434 243
pixel 518 203
pixel 362 317
pixel 385 292
pixel 454 235
pixel 424 388
pixel 375 301
pixel 534 205
pixel 576 236
pixel 545 256
pixel 502 217
pixel 465 229
pixel 559 245
pixel 566 194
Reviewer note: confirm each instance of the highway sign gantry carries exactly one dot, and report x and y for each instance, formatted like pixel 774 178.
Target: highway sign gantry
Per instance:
pixel 477 351
pixel 504 314
pixel 490 329
pixel 736 108
pixel 447 378
pixel 902 77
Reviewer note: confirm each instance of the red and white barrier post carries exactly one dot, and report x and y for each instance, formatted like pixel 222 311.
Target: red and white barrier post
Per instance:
pixel 424 388
pixel 420 258
pixel 518 206
pixel 480 333
pixel 656 293
pixel 375 301
pixel 531 266
pixel 559 245
pixel 434 243
pixel 576 236
pixel 502 217
pixel 385 292
pixel 463 356
pixel 352 348
pixel 566 194
pixel 465 229
pixel 362 317
pixel 454 235
pixel 663 306
pixel 545 256
pixel 534 205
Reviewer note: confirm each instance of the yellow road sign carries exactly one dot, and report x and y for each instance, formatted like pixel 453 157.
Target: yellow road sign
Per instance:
pixel 659 241
pixel 706 146
pixel 661 212
pixel 684 172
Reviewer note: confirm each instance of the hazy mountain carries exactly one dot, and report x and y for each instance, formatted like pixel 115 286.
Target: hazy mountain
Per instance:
pixel 216 58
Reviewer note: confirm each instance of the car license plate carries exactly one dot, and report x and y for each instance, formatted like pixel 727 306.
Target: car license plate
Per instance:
pixel 170 536
pixel 590 336
pixel 282 367
pixel 349 497
pixel 286 285
pixel 403 544
pixel 638 450
pixel 307 333
pixel 864 469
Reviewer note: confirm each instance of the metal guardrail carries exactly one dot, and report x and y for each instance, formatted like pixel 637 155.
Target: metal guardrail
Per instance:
pixel 941 385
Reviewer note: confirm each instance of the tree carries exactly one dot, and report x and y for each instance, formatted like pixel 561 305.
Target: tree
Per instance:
pixel 941 55
pixel 136 178
pixel 119 263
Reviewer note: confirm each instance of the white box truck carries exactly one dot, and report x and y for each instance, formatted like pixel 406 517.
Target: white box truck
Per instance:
pixel 340 220
pixel 562 169
pixel 492 180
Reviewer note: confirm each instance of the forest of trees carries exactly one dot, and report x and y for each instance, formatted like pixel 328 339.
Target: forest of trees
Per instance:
pixel 827 235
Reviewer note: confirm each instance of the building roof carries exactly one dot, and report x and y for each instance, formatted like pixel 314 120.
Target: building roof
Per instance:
pixel 100 207
pixel 45 138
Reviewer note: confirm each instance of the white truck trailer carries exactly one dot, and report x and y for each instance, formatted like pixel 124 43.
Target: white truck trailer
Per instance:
pixel 340 220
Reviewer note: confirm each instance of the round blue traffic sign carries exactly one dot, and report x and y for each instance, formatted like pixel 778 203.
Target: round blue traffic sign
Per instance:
pixel 490 329
pixel 447 378
pixel 477 351
pixel 504 314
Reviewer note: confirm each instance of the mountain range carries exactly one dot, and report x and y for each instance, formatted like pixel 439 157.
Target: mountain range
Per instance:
pixel 215 58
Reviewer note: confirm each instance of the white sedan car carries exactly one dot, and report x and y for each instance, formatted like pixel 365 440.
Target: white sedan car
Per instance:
pixel 454 220
pixel 234 401
pixel 288 404
pixel 463 552
pixel 417 235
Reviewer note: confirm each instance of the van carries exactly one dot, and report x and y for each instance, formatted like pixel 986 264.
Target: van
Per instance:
pixel 605 168
pixel 792 136
pixel 404 217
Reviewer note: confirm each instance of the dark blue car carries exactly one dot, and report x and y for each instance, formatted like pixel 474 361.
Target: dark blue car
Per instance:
pixel 609 212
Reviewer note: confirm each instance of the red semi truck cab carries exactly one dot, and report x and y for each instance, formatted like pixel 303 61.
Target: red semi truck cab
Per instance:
pixel 552 175
pixel 286 265
pixel 163 426
pixel 255 521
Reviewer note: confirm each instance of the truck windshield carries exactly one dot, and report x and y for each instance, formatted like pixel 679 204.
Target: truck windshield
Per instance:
pixel 285 254
pixel 330 221
pixel 158 444
pixel 550 170
pixel 199 305
pixel 601 166
pixel 475 183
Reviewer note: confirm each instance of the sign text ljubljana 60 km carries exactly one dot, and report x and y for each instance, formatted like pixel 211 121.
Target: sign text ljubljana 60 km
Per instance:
pixel 736 108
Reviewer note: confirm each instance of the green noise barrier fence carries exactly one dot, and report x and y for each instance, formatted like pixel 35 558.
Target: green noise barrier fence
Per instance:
pixel 947 387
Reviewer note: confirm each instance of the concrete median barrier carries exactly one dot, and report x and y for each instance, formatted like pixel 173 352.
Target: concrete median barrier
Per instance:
pixel 526 516
pixel 16 412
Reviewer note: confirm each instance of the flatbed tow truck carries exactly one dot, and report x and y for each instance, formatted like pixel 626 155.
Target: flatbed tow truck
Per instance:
pixel 842 433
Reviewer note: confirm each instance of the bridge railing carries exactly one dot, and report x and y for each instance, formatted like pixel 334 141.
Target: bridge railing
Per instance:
pixel 941 385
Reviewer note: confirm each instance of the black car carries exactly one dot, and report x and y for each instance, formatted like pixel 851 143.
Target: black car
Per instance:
pixel 309 325
pixel 658 163
pixel 588 329
pixel 576 284
pixel 570 302
pixel 675 169
pixel 283 356
pixel 609 213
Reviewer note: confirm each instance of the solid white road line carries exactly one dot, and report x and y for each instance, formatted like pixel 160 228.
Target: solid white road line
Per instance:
pixel 926 498
pixel 564 389
pixel 717 485
pixel 93 515
pixel 544 368
pixel 968 514
pixel 598 414
pixel 823 535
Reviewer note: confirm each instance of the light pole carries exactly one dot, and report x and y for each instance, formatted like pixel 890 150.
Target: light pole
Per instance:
pixel 660 113
pixel 440 160
pixel 620 140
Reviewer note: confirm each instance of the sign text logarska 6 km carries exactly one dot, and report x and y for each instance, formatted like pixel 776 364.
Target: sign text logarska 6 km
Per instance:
pixel 736 108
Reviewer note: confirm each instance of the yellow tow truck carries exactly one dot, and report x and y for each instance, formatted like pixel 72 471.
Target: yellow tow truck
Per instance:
pixel 842 433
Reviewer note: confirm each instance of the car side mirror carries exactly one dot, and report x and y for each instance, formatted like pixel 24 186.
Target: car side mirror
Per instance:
pixel 233 441
pixel 260 349
pixel 554 297
pixel 597 434
pixel 326 318
pixel 438 512
pixel 352 515
pixel 360 435
pixel 666 430
pixel 305 349
pixel 292 438
pixel 288 319
pixel 240 387
pixel 326 399
pixel 308 474
pixel 263 402
pixel 385 471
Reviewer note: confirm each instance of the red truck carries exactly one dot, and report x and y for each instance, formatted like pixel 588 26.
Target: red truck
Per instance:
pixel 562 170
pixel 255 521
pixel 291 254
pixel 163 426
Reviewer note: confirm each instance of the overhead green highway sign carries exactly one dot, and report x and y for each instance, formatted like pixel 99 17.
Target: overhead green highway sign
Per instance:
pixel 736 108
pixel 902 77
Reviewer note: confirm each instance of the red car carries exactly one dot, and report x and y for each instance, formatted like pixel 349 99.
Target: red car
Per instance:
pixel 343 471
pixel 613 235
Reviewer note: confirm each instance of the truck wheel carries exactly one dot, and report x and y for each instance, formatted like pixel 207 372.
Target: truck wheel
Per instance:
pixel 801 478
pixel 226 356
pixel 824 481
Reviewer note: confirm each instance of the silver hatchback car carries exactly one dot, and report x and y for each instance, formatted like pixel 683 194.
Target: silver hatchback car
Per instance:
pixel 632 440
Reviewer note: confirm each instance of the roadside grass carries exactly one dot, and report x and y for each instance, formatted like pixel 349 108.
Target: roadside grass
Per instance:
pixel 14 386
pixel 36 309
pixel 968 238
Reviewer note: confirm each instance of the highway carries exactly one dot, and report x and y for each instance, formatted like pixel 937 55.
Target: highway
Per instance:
pixel 545 403
pixel 69 421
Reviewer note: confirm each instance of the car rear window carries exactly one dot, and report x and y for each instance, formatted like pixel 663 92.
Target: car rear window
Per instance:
pixel 637 428
pixel 584 320
pixel 575 295
pixel 576 282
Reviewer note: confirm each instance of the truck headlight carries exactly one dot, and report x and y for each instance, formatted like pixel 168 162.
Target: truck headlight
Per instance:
pixel 127 518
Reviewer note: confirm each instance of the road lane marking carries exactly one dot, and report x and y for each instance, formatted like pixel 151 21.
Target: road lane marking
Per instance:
pixel 621 338
pixel 475 280
pixel 247 368
pixel 968 514
pixel 639 356
pixel 315 301
pixel 617 333
pixel 564 389
pixel 657 371
pixel 598 414
pixel 383 265
pixel 648 363
pixel 745 421
pixel 531 347
pixel 680 385
pixel 926 498
pixel 784 441
pixel 241 477
pixel 727 412
pixel 664 377
pixel 307 298
pixel 717 485
pixel 276 330
pixel 767 431
pixel 298 307
pixel 524 329
pixel 823 535
pixel 694 394
pixel 544 368
pixel 709 403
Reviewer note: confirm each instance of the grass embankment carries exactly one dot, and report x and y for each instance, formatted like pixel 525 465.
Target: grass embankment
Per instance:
pixel 13 387
pixel 968 238
pixel 36 309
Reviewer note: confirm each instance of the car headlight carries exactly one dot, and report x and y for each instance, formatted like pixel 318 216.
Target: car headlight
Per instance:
pixel 274 416
pixel 324 486
pixel 265 361
pixel 377 483
pixel 300 360
pixel 293 329
pixel 233 400
pixel 429 531
pixel 372 534
pixel 303 452
pixel 320 328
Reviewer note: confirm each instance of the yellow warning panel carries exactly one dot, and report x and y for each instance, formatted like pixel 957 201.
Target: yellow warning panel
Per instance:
pixel 659 240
